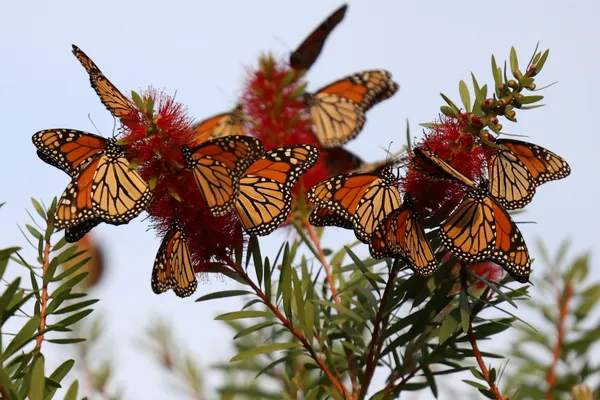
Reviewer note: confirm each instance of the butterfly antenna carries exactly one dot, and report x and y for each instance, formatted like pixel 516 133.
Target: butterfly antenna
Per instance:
pixel 92 121
pixel 281 41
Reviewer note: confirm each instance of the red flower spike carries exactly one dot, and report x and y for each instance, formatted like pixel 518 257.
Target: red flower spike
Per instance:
pixel 273 100
pixel 155 143
pixel 488 270
pixel 437 198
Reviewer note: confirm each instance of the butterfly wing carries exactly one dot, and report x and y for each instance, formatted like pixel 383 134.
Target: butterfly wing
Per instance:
pixel 435 167
pixel 542 164
pixel 327 217
pixel 119 105
pixel 218 165
pixel 338 110
pixel 400 235
pixel 74 234
pixel 173 267
pixel 68 149
pixel 306 54
pixel 226 124
pixel 75 205
pixel 119 193
pixel 340 161
pixel 511 183
pixel 265 198
pixel 364 199
pixel 469 232
pixel 510 250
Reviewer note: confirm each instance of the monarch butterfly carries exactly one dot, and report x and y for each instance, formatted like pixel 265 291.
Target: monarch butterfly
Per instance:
pixel 102 189
pixel 119 105
pixel 307 53
pixel 225 124
pixel 173 267
pixel 480 228
pixel 517 168
pixel 400 235
pixel 265 189
pixel 327 217
pixel 363 199
pixel 218 164
pixel 338 110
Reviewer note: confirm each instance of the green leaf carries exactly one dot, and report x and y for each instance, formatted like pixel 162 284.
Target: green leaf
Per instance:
pixel 271 365
pixel 76 306
pixel 450 103
pixel 341 308
pixel 70 320
pixel 25 335
pixel 299 296
pixel 465 310
pixel 257 258
pixel 542 61
pixel 530 99
pixel 448 328
pixel 137 100
pixel 60 244
pixel 66 341
pixel 223 294
pixel 312 393
pixel 514 61
pixel 38 207
pixel 474 384
pixel 243 314
pixel 269 348
pixel 254 328
pixel 36 386
pixel 72 392
pixel 464 95
pixel 430 380
pixel 363 268
pixel 267 278
pixel 9 293
pixel 309 314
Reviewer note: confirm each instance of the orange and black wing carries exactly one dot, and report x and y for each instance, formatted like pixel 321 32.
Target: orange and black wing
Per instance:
pixel 469 232
pixel 74 234
pixel 511 183
pixel 338 110
pixel 119 193
pixel 218 165
pixel 400 235
pixel 265 197
pixel 119 105
pixel 226 124
pixel 364 199
pixel 510 250
pixel 340 161
pixel 308 51
pixel 327 217
pixel 173 267
pixel 432 165
pixel 68 149
pixel 542 164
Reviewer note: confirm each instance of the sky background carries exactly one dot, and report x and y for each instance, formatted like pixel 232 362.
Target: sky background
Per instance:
pixel 201 50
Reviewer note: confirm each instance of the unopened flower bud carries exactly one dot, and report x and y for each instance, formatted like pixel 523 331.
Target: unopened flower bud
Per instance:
pixel 513 84
pixel 531 87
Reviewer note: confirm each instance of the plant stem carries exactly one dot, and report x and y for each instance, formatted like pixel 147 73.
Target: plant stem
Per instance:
pixel 563 302
pixel 315 239
pixel 473 340
pixel 375 345
pixel 337 384
pixel 43 299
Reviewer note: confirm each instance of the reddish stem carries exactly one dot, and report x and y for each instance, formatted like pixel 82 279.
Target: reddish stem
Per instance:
pixel 43 299
pixel 315 239
pixel 375 346
pixel 337 384
pixel 563 302
pixel 473 341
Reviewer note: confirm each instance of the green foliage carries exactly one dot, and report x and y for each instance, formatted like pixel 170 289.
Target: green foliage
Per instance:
pixel 560 353
pixel 43 312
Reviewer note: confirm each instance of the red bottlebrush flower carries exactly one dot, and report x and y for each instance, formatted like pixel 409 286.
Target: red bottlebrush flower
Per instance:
pixel 488 270
pixel 273 100
pixel 434 197
pixel 155 145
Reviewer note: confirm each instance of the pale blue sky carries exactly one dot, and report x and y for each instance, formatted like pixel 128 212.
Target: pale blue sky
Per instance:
pixel 201 49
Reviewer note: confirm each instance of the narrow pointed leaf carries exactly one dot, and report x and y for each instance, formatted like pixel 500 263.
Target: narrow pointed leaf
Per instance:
pixel 269 348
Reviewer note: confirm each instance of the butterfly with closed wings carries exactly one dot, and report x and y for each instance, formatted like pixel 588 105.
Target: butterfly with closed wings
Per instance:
pixel 173 267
